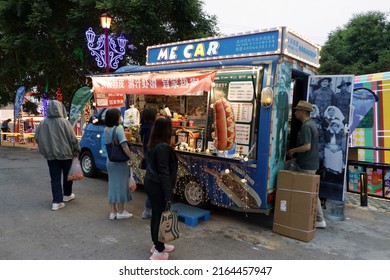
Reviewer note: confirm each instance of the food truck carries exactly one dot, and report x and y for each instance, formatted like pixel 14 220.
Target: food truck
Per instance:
pixel 230 98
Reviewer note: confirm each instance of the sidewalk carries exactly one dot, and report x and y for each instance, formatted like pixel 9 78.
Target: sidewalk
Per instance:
pixel 373 204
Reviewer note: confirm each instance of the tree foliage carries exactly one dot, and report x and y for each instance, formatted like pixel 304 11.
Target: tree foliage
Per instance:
pixel 360 47
pixel 43 44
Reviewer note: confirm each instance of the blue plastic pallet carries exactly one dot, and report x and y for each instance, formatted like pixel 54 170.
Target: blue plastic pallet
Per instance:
pixel 190 214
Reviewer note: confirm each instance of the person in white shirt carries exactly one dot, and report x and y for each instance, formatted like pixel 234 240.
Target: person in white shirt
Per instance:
pixel 131 117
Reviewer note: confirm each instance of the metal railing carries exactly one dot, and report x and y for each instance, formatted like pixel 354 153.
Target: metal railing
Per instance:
pixel 368 178
pixel 12 135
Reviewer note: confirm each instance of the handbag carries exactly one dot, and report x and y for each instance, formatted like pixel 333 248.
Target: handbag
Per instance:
pixel 75 171
pixel 115 151
pixel 169 225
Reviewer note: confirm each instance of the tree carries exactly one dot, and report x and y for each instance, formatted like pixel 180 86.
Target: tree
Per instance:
pixel 154 22
pixel 43 44
pixel 360 47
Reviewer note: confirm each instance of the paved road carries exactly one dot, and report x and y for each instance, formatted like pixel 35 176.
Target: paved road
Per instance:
pixel 29 230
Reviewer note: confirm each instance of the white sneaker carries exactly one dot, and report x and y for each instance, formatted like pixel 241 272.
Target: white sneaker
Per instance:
pixel 68 198
pixel 124 215
pixel 321 224
pixel 57 206
pixel 168 248
pixel 159 256
pixel 112 216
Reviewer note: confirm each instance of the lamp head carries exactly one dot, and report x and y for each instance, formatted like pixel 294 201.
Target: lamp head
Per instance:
pixel 105 21
pixel 267 96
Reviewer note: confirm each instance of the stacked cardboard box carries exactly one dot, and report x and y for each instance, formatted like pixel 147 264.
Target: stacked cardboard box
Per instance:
pixel 296 205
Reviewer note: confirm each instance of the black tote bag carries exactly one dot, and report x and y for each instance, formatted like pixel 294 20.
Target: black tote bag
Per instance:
pixel 115 151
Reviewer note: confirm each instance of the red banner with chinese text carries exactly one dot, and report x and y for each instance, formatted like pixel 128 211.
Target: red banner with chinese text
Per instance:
pixel 110 91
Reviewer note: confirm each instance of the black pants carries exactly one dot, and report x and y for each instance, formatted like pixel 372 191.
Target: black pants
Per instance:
pixel 58 169
pixel 158 206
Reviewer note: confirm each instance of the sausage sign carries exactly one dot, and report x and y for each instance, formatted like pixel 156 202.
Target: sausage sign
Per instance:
pixel 224 125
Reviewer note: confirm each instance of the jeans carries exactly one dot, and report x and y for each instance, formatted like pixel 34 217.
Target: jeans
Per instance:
pixel 148 205
pixel 56 169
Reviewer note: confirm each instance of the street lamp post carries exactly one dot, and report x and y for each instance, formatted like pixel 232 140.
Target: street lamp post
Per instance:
pixel 105 52
pixel 105 21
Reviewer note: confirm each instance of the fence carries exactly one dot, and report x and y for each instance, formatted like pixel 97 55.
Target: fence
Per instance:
pixel 377 174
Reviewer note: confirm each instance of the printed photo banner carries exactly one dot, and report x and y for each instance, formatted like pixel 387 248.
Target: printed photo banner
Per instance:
pixel 331 97
pixel 110 91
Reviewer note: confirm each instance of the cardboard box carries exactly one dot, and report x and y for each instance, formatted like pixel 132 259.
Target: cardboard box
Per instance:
pixel 296 205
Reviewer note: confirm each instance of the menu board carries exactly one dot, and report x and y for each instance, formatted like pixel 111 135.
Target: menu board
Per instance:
pixel 238 89
pixel 243 112
pixel 241 91
pixel 243 132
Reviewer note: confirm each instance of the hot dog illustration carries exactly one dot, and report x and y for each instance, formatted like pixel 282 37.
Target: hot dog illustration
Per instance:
pixel 237 189
pixel 224 125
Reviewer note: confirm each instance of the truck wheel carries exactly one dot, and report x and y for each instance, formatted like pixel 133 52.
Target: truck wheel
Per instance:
pixel 193 192
pixel 87 164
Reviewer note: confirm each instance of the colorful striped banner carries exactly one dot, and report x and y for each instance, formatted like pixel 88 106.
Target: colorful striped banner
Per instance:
pixel 380 84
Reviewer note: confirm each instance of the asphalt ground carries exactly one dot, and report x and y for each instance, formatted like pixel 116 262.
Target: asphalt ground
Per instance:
pixel 30 230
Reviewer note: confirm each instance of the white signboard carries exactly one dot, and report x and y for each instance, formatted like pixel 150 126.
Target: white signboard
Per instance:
pixel 240 91
pixel 300 49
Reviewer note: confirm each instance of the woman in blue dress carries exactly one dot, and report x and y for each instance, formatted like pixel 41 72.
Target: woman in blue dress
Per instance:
pixel 118 172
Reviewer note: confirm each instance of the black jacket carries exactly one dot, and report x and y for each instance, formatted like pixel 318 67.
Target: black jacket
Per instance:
pixel 161 171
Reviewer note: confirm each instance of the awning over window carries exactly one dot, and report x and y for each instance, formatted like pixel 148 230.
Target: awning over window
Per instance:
pixel 174 83
pixel 110 90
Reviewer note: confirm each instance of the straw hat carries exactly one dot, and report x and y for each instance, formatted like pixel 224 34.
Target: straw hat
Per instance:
pixel 304 106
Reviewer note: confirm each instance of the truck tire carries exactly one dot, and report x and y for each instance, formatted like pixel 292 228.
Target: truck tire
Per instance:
pixel 192 192
pixel 87 164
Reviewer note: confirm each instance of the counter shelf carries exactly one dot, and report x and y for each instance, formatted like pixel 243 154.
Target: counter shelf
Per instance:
pixel 205 155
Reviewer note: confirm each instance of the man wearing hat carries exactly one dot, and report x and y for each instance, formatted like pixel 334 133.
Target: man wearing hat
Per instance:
pixel 323 96
pixel 307 154
pixel 342 99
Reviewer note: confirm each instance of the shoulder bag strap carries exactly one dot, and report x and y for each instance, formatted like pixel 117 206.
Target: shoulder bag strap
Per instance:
pixel 113 136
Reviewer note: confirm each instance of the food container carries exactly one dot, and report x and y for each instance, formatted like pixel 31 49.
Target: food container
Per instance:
pixel 191 123
pixel 176 122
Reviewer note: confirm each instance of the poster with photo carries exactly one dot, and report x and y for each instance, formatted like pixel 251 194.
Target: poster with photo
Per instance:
pixel 331 97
